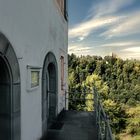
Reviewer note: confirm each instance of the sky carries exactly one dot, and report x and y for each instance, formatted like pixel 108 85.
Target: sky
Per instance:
pixel 100 27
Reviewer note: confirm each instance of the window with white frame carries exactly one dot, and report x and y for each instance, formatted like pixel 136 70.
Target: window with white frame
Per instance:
pixel 33 77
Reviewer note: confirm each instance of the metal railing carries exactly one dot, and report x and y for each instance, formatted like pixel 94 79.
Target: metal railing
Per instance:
pixel 76 98
pixel 79 98
pixel 102 120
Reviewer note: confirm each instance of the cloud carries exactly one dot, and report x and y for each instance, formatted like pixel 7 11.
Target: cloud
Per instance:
pixel 80 49
pixel 84 29
pixel 132 50
pixel 108 7
pixel 101 15
pixel 81 38
pixel 128 26
pixel 107 20
pixel 77 48
pixel 125 50
pixel 122 44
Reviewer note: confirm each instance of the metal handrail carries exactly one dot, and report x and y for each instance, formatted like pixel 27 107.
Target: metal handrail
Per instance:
pixel 102 121
pixel 74 99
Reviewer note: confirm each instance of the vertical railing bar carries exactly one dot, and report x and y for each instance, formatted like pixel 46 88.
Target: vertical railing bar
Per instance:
pixel 65 100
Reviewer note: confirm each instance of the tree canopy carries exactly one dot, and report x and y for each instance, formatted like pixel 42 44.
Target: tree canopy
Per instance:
pixel 118 83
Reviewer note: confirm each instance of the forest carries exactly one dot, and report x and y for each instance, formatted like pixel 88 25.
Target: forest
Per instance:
pixel 118 83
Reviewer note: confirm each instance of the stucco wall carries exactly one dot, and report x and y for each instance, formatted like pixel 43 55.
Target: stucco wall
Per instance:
pixel 34 28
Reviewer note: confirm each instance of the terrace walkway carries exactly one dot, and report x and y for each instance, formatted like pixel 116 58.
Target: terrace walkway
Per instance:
pixel 73 125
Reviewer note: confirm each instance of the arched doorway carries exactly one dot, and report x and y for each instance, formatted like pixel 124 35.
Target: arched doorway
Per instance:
pixel 49 91
pixel 52 92
pixel 9 92
pixel 5 101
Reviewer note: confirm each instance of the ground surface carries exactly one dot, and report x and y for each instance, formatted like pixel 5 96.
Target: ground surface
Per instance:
pixel 73 125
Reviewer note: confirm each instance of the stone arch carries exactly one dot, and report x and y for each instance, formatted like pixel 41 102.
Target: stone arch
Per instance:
pixel 9 92
pixel 49 90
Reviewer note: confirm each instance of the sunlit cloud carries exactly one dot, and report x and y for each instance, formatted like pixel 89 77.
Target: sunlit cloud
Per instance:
pixel 109 27
pixel 108 7
pixel 100 16
pixel 84 29
pixel 81 38
pixel 130 53
pixel 124 49
pixel 132 49
pixel 77 48
pixel 130 25
pixel 122 44
pixel 128 49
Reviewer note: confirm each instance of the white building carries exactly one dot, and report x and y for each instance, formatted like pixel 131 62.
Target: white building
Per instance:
pixel 33 66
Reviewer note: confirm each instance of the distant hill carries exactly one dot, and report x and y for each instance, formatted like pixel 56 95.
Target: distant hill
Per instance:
pixel 118 82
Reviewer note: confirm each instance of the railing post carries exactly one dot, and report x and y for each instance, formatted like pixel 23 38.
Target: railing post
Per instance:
pixel 65 100
pixel 95 104
pixel 106 132
pixel 97 111
pixel 99 121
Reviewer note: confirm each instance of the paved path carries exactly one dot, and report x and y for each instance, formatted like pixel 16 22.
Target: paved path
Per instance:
pixel 73 125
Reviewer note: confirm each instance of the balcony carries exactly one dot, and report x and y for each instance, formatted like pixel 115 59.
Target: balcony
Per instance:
pixel 73 125
pixel 81 125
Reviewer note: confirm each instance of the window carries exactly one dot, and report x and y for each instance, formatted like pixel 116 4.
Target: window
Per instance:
pixel 34 78
pixel 62 72
pixel 63 7
pixel 66 9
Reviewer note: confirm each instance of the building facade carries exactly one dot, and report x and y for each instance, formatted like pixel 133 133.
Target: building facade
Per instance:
pixel 33 66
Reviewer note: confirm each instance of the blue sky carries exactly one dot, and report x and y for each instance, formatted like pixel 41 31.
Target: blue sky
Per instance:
pixel 99 27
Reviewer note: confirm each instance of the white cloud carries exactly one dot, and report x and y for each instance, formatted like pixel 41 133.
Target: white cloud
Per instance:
pixel 125 49
pixel 108 7
pixel 81 38
pixel 129 55
pixel 82 30
pixel 77 48
pixel 107 15
pixel 130 25
pixel 132 50
pixel 101 15
pixel 122 44
pixel 80 49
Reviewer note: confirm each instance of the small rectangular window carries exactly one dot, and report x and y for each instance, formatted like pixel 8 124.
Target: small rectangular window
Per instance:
pixel 34 78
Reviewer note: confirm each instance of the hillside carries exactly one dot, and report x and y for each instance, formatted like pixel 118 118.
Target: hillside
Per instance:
pixel 118 82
